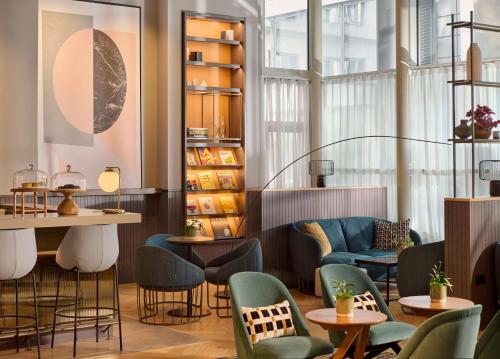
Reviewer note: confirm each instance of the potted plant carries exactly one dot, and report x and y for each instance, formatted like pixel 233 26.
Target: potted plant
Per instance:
pixel 344 299
pixel 192 227
pixel 403 244
pixel 438 284
pixel 483 119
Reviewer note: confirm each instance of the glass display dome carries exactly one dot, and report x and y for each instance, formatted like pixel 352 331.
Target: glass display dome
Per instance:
pixel 69 180
pixel 30 178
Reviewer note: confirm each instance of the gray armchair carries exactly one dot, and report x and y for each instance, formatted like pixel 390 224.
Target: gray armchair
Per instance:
pixel 160 274
pixel 415 265
pixel 247 257
pixel 160 240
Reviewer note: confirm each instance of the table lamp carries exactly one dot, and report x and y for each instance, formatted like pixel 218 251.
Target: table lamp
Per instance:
pixel 321 169
pixel 109 181
pixel 489 170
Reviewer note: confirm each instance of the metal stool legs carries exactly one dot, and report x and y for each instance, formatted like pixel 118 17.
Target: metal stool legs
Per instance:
pixel 35 300
pixel 218 307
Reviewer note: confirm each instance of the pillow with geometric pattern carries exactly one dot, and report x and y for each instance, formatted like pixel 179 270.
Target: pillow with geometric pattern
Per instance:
pixel 273 321
pixel 388 234
pixel 365 301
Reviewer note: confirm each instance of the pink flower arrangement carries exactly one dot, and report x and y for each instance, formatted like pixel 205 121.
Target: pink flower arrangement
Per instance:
pixel 483 117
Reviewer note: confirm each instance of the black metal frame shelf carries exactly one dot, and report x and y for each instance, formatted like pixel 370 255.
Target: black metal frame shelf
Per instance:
pixel 213 40
pixel 214 64
pixel 475 25
pixel 488 141
pixel 475 83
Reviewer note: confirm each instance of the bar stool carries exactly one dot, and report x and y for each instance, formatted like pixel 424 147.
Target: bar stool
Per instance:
pixel 18 258
pixel 88 249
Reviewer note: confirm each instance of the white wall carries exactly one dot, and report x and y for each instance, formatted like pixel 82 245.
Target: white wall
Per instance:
pixel 249 9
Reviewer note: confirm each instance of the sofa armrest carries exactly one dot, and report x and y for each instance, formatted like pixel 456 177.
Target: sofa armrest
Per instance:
pixel 305 252
pixel 415 237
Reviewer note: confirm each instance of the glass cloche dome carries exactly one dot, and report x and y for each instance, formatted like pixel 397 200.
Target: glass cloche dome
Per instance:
pixel 30 178
pixel 69 180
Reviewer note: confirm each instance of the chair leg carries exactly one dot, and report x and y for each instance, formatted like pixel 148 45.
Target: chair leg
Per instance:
pixel 17 315
pixel 77 297
pixel 35 300
pixel 97 307
pixel 118 306
pixel 55 308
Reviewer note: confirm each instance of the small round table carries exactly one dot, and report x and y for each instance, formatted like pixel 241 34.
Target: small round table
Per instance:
pixel 189 242
pixel 356 326
pixel 422 305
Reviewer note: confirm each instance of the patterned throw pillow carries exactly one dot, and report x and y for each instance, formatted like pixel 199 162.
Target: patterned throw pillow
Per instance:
pixel 365 301
pixel 387 234
pixel 273 321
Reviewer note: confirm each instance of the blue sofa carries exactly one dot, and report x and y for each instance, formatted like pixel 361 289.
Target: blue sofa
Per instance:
pixel 351 238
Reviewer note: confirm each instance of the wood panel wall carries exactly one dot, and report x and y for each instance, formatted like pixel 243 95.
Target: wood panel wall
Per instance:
pixel 472 228
pixel 273 211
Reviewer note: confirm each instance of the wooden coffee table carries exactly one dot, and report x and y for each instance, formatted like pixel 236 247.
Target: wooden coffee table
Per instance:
pixel 388 263
pixel 356 326
pixel 422 305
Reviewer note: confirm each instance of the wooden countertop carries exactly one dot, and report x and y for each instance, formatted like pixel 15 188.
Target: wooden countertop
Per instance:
pixel 85 217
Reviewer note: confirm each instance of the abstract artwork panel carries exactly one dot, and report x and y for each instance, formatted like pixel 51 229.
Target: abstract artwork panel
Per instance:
pixel 90 75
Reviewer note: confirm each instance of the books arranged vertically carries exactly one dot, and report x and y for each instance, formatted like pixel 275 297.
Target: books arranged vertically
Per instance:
pixel 201 133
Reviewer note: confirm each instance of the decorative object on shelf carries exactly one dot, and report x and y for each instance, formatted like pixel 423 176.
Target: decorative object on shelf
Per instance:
pixel 68 183
pixel 197 132
pixel 207 156
pixel 344 300
pixel 402 244
pixel 474 56
pixel 203 84
pixel 195 82
pixel 484 121
pixel 31 181
pixel 321 169
pixel 226 181
pixel 191 207
pixel 221 228
pixel 438 284
pixel 227 35
pixel 187 52
pixel 191 183
pixel 228 204
pixel 193 227
pixel 196 56
pixel 191 159
pixel 110 181
pixel 221 129
pixel 207 205
pixel 489 170
pixel 464 130
pixel 207 181
pixel 227 158
pixel 496 135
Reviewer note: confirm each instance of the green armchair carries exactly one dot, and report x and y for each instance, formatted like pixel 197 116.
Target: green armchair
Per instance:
pixel 382 336
pixel 488 345
pixel 252 289
pixel 447 335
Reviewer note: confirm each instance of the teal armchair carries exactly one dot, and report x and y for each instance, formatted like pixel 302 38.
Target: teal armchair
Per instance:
pixel 252 289
pixel 447 335
pixel 382 336
pixel 488 345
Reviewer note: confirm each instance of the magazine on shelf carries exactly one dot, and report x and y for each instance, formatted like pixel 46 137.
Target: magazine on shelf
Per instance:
pixel 207 180
pixel 207 205
pixel 226 181
pixel 191 207
pixel 228 204
pixel 227 157
pixel 221 228
pixel 191 183
pixel 191 157
pixel 207 156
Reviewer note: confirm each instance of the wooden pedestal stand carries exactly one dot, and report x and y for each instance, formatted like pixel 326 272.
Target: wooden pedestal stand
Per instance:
pixel 68 206
pixel 22 192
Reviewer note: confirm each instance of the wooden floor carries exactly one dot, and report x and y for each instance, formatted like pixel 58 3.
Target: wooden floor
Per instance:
pixel 210 338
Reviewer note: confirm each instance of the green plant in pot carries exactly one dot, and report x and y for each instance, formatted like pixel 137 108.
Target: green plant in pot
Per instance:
pixel 193 226
pixel 344 299
pixel 439 284
pixel 403 244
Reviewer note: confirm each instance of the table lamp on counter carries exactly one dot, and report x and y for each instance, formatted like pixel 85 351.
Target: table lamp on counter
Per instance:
pixel 109 181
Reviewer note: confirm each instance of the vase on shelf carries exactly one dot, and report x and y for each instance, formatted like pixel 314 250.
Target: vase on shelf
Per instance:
pixel 474 56
pixel 463 131
pixel 222 128
pixel 482 133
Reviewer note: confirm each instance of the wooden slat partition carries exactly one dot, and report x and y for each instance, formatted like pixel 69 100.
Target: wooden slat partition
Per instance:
pixel 274 210
pixel 472 227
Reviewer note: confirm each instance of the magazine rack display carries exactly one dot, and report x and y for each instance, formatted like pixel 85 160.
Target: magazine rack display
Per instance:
pixel 213 79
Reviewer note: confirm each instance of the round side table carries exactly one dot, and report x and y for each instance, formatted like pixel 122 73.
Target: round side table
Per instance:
pixel 422 305
pixel 356 326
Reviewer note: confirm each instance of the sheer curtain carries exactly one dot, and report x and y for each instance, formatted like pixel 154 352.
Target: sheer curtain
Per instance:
pixel 432 165
pixel 286 131
pixel 356 106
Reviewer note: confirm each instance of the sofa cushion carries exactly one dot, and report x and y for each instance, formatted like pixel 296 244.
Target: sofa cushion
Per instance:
pixel 292 347
pixel 379 252
pixel 388 234
pixel 389 332
pixel 333 231
pixel 343 258
pixel 319 234
pixel 359 232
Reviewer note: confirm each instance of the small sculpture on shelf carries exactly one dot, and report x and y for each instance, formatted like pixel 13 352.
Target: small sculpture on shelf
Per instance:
pixel 484 122
pixel 464 130
pixel 221 130
pixel 68 183
pixel 29 181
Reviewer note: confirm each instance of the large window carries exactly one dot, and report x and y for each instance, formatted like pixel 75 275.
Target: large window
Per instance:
pixel 286 34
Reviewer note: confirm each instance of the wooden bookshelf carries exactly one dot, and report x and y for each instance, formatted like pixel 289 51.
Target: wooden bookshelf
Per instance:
pixel 213 98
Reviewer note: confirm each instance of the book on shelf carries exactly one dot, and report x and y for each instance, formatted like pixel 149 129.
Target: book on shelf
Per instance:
pixel 228 204
pixel 227 158
pixel 197 132
pixel 207 180
pixel 207 205
pixel 191 157
pixel 191 183
pixel 207 156
pixel 226 181
pixel 221 228
pixel 191 207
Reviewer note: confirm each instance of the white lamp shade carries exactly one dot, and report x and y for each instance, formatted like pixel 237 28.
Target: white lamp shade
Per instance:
pixel 109 181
